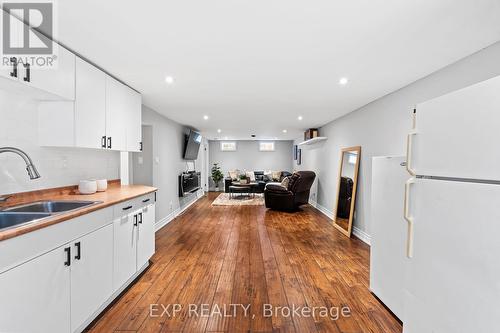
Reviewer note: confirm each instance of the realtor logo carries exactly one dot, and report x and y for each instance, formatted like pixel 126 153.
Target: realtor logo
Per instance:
pixel 19 38
pixel 28 30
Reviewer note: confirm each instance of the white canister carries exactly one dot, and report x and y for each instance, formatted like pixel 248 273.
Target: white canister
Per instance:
pixel 102 185
pixel 87 187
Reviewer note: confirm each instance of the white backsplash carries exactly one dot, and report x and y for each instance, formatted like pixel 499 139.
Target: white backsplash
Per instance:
pixel 57 166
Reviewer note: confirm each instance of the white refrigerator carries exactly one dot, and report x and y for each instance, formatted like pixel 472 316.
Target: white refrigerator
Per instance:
pixel 388 229
pixel 452 208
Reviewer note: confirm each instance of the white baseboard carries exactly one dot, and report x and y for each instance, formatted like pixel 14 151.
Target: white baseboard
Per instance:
pixel 355 230
pixel 178 211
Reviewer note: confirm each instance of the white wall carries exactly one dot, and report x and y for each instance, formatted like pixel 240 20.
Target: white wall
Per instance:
pixel 168 164
pixel 247 157
pixel 57 166
pixel 380 128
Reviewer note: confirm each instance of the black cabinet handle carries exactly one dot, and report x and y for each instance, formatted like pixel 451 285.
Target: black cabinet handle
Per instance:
pixel 126 208
pixel 78 251
pixel 27 77
pixel 13 61
pixel 140 220
pixel 146 200
pixel 140 143
pixel 68 256
pixel 155 196
pixel 135 220
pixel 103 141
pixel 109 142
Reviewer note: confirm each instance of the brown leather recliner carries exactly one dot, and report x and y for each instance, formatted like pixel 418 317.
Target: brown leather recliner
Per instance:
pixel 289 199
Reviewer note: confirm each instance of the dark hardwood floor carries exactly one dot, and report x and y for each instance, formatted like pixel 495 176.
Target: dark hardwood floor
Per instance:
pixel 211 257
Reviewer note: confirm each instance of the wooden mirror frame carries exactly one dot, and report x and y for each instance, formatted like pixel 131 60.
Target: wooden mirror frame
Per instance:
pixel 354 189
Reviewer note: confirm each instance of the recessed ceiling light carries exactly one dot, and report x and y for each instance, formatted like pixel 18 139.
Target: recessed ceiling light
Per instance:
pixel 299 118
pixel 169 79
pixel 343 81
pixel 205 117
pixel 284 131
pixel 219 130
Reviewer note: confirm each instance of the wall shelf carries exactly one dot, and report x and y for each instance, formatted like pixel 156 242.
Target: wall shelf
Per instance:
pixel 312 141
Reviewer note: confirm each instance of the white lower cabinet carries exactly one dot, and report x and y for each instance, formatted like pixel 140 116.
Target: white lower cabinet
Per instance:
pixel 62 289
pixel 91 274
pixel 146 235
pixel 125 248
pixel 35 296
pixel 134 242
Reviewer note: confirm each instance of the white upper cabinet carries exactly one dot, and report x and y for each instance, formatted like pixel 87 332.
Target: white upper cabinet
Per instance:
pixel 12 71
pixel 117 104
pixel 59 80
pixel 106 114
pixel 90 106
pixel 45 82
pixel 134 121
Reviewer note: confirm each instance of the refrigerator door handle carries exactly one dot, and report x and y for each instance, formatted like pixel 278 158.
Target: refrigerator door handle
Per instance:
pixel 408 218
pixel 409 144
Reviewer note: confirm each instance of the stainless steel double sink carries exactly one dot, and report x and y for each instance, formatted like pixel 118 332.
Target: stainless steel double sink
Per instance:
pixel 33 212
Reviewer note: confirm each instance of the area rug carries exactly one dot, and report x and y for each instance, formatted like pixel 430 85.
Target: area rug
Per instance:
pixel 223 200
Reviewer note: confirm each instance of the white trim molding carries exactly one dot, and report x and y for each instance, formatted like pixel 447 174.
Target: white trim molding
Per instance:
pixel 363 236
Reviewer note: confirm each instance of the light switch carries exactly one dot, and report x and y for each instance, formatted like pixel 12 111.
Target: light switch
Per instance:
pixel 140 160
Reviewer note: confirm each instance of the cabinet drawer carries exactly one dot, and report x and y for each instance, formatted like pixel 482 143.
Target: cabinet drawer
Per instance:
pixel 125 208
pixel 145 200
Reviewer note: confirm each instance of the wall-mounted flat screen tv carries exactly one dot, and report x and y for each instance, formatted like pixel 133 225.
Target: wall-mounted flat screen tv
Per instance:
pixel 193 141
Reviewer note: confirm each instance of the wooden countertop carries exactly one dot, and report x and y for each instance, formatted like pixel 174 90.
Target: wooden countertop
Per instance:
pixel 115 193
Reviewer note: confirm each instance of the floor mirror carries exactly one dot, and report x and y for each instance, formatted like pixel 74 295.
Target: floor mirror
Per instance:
pixel 346 189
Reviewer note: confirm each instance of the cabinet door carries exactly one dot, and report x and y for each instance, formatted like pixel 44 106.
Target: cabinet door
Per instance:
pixel 116 113
pixel 125 249
pixel 134 121
pixel 16 30
pixel 146 235
pixel 59 80
pixel 91 274
pixel 90 105
pixel 35 296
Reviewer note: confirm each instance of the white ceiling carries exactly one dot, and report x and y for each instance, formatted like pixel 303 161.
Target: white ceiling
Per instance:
pixel 255 66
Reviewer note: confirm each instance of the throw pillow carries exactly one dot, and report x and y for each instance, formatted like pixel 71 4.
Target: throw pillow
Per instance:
pixel 233 174
pixel 268 175
pixel 292 181
pixel 276 176
pixel 285 182
pixel 250 175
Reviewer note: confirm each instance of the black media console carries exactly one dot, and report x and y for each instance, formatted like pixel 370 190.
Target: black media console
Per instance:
pixel 189 183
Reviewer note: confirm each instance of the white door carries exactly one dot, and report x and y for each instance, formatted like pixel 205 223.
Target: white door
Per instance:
pixel 388 227
pixel 35 296
pixel 90 105
pixel 60 80
pixel 453 277
pixel 134 120
pixel 91 274
pixel 116 114
pixel 125 248
pixel 457 134
pixel 146 235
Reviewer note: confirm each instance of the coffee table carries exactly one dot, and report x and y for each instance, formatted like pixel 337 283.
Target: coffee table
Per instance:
pixel 237 187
